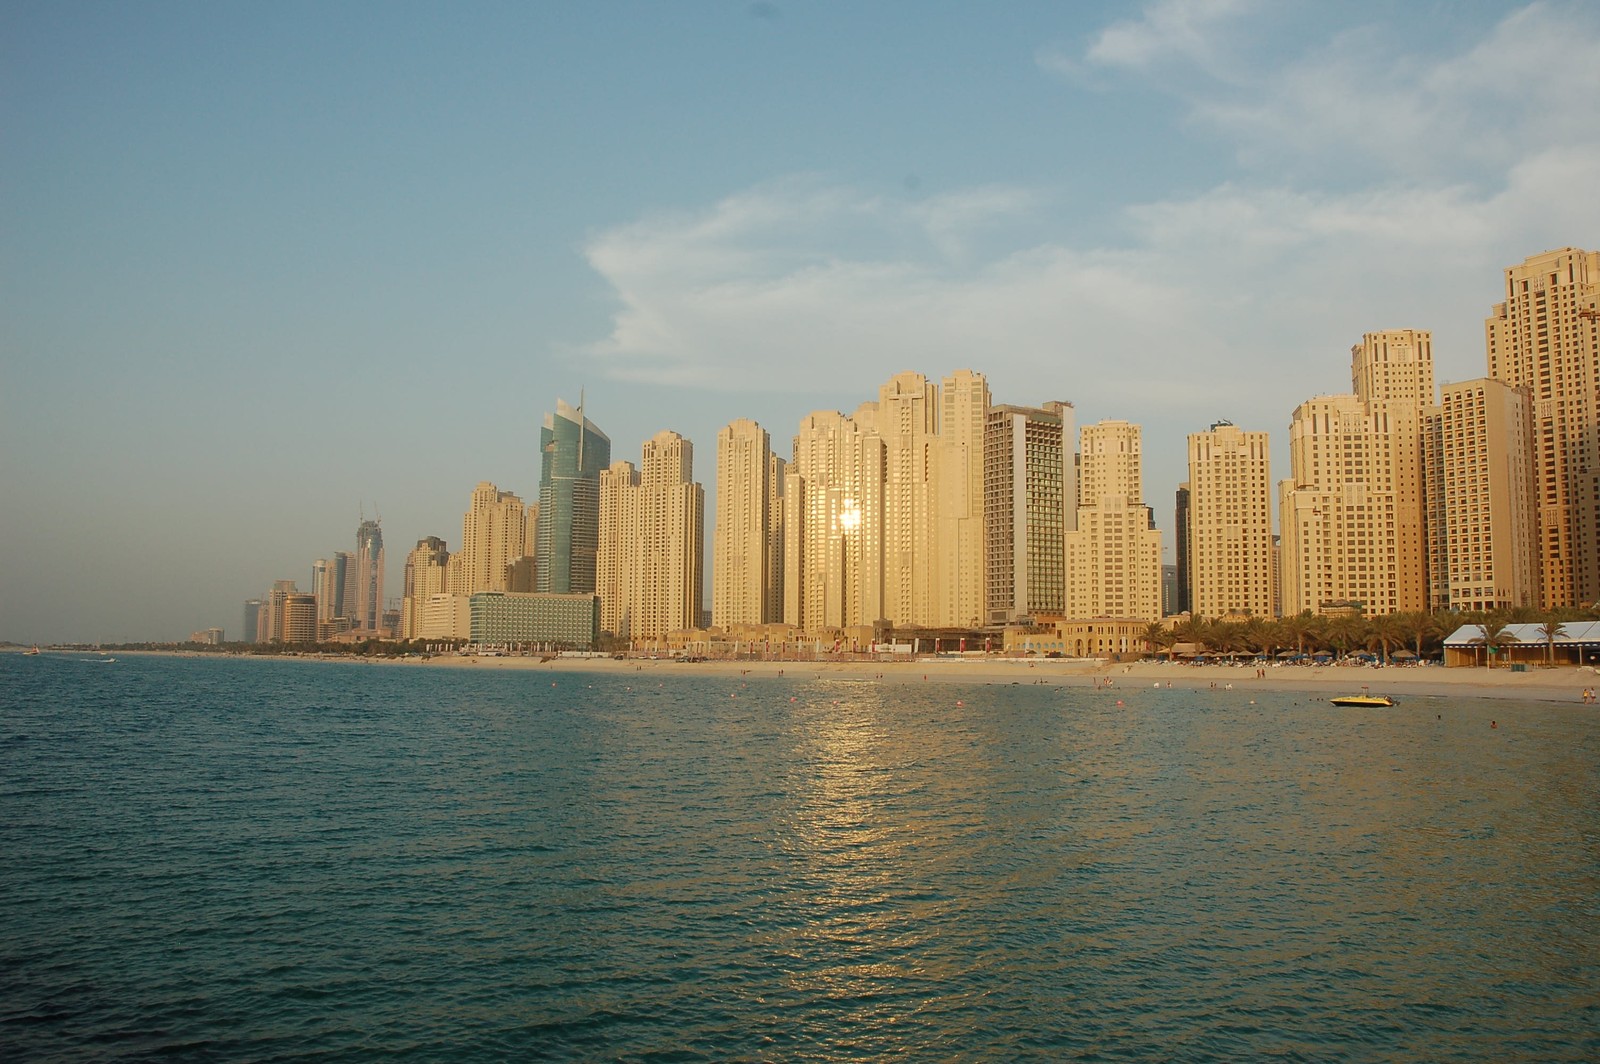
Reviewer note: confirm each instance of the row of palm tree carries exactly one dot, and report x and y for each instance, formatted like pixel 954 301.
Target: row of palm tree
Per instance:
pixel 1420 633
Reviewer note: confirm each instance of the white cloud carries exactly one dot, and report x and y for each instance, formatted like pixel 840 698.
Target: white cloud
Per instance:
pixel 1240 301
pixel 1168 30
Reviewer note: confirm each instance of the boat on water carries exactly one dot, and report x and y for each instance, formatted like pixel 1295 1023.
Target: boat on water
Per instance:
pixel 1370 701
pixel 31 653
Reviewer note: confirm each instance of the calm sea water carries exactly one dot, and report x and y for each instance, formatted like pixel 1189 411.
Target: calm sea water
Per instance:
pixel 233 859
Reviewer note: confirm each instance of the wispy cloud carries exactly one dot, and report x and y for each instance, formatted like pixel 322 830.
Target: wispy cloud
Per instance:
pixel 1441 179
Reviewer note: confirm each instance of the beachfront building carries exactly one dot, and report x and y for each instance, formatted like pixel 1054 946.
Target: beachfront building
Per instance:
pixel 425 573
pixel 1545 337
pixel 365 599
pixel 494 535
pixel 746 541
pixel 651 543
pixel 1480 502
pixel 1229 523
pixel 833 523
pixel 1114 552
pixel 1351 516
pixel 572 451
pixel 561 622
pixel 1031 493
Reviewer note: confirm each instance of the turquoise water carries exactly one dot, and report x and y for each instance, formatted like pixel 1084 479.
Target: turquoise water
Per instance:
pixel 268 860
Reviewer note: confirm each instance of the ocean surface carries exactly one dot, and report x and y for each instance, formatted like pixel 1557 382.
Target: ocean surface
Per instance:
pixel 274 860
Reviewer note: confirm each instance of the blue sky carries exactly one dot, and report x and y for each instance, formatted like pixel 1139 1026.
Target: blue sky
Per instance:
pixel 266 265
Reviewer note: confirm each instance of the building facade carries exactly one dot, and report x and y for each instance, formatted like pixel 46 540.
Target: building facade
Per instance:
pixel 1480 498
pixel 1030 491
pixel 1114 553
pixel 573 451
pixel 1229 548
pixel 1351 516
pixel 746 572
pixel 1545 338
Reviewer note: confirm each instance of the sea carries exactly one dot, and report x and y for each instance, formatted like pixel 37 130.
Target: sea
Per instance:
pixel 271 860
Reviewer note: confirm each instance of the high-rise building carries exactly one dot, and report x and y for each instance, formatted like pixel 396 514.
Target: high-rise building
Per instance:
pixel 1181 602
pixel 493 537
pixel 1031 493
pixel 367 609
pixel 1351 517
pixel 425 576
pixel 573 451
pixel 1545 337
pixel 1482 519
pixel 1229 517
pixel 615 559
pixel 958 540
pixel 833 523
pixel 1114 553
pixel 337 591
pixel 651 543
pixel 252 619
pixel 908 424
pixel 744 588
pixel 299 618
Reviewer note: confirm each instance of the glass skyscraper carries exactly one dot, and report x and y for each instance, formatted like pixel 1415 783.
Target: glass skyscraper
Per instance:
pixel 572 453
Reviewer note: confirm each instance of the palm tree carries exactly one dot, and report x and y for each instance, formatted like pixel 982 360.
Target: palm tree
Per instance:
pixel 1385 633
pixel 1551 629
pixel 1422 626
pixel 1192 629
pixel 1298 629
pixel 1492 634
pixel 1345 632
pixel 1158 637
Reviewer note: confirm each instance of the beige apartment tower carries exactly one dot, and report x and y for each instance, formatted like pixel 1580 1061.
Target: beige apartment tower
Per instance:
pixel 833 523
pixel 494 534
pixel 1230 523
pixel 1545 338
pixel 650 548
pixel 1351 516
pixel 426 570
pixel 746 581
pixel 1482 521
pixel 1114 553
pixel 958 512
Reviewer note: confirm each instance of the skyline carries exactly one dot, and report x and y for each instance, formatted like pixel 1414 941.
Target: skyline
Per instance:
pixel 266 267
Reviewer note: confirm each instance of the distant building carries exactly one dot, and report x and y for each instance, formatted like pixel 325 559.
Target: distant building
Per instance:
pixel 299 623
pixel 1229 535
pixel 425 573
pixel 565 622
pixel 746 555
pixel 494 534
pixel 251 620
pixel 207 637
pixel 1351 516
pixel 367 607
pixel 1114 553
pixel 1181 603
pixel 1483 549
pixel 1545 337
pixel 573 451
pixel 650 557
pixel 1031 491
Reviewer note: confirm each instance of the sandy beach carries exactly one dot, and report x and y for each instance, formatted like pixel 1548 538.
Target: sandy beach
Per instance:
pixel 1565 684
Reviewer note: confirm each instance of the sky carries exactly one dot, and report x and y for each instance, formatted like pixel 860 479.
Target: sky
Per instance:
pixel 266 268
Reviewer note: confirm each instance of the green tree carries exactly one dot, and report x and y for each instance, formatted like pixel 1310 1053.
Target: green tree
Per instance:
pixel 1492 635
pixel 1551 629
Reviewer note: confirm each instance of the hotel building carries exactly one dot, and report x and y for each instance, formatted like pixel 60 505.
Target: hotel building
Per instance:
pixel 1351 517
pixel 1482 521
pixel 650 547
pixel 494 534
pixel 1031 494
pixel 1114 553
pixel 746 542
pixel 1545 338
pixel 573 451
pixel 1229 523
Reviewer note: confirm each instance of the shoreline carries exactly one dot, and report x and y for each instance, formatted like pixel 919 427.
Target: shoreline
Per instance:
pixel 1558 684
